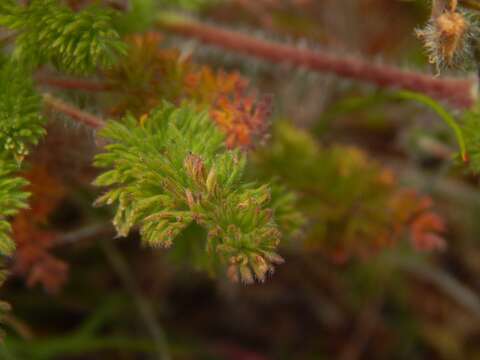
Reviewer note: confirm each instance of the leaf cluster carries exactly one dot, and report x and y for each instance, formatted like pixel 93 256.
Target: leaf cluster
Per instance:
pixel 21 123
pixel 150 73
pixel 12 199
pixel 75 42
pixel 173 169
pixel 21 126
pixel 46 31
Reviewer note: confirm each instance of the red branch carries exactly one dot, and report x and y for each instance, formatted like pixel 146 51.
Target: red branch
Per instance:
pixel 72 84
pixel 461 93
pixel 75 113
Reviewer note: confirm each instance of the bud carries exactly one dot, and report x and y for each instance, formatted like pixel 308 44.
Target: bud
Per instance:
pixel 232 273
pixel 244 204
pixel 190 198
pixel 246 274
pixel 452 28
pixel 274 258
pixel 167 243
pixel 212 181
pixel 264 197
pixel 267 215
pixel 448 37
pixel 195 168
pixel 260 267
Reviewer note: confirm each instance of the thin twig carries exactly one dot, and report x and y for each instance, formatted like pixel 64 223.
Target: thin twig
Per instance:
pixel 145 310
pixel 84 233
pixel 72 111
pixel 461 93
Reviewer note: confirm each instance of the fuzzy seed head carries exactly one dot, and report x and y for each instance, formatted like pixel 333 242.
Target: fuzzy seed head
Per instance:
pixel 447 39
pixel 452 28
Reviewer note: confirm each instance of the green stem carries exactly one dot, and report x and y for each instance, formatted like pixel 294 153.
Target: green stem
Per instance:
pixel 442 113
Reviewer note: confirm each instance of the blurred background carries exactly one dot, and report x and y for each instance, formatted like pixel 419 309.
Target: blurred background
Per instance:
pixel 386 265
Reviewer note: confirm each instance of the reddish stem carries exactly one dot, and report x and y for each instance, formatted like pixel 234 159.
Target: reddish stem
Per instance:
pixel 72 84
pixel 461 93
pixel 72 111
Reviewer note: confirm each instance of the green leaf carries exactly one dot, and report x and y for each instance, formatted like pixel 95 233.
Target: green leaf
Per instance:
pixel 174 170
pixel 76 42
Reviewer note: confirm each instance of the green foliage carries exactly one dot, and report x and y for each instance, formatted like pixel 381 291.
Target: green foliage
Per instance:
pixel 75 42
pixel 21 123
pixel 20 127
pixel 140 16
pixel 46 31
pixel 173 169
pixel 12 199
pixel 471 131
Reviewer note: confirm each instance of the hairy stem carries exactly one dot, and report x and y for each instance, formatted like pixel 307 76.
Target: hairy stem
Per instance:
pixel 73 84
pixel 72 111
pixel 461 93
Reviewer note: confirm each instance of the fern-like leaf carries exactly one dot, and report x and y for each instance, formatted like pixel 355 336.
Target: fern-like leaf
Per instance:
pixel 21 123
pixel 12 199
pixel 74 42
pixel 173 169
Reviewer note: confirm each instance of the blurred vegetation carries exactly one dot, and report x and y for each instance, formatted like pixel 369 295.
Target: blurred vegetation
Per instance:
pixel 376 197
